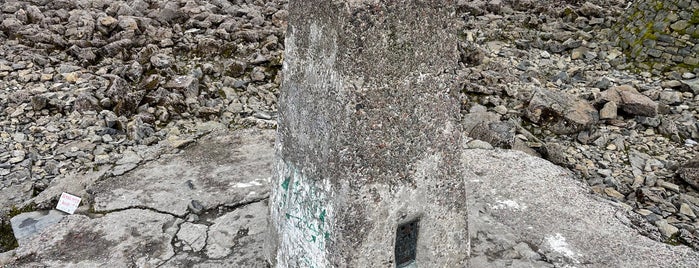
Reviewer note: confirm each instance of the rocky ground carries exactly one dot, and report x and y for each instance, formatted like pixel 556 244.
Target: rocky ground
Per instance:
pixel 552 84
pixel 92 85
pixel 103 87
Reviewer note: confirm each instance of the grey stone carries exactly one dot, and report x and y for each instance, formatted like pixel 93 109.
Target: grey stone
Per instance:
pixel 26 225
pixel 608 111
pixel 193 236
pixel 498 134
pixel 223 169
pixel 132 237
pixel 693 84
pixel 689 173
pixel 240 227
pixel 671 97
pixel 513 190
pixel 630 101
pixel 186 85
pixel 665 228
pixel 345 101
pixel 561 112
pixel 161 60
pixel 478 144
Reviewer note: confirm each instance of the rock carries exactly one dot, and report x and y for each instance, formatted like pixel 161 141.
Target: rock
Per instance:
pixel 498 134
pixel 693 85
pixel 608 111
pixel 195 207
pixel 560 112
pixel 666 229
pixel 687 210
pixel 479 144
pixel 131 237
pixel 590 10
pixel 611 192
pixel 551 218
pixel 603 83
pixel 668 185
pixel 193 236
pixel 241 226
pixel 138 130
pixel 187 85
pixel 28 224
pixel 630 101
pixel 39 102
pixel 689 173
pixel 161 60
pixel 671 97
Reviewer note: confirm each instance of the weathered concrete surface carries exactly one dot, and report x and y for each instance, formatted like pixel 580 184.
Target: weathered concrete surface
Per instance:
pixel 228 173
pixel 522 199
pixel 221 169
pixel 133 238
pixel 368 136
pixel 235 239
pixel 524 212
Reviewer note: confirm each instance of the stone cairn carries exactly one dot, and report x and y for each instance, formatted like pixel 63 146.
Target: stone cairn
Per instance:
pixel 367 171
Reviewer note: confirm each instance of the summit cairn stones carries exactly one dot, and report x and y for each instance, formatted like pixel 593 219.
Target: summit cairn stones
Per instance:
pixel 368 169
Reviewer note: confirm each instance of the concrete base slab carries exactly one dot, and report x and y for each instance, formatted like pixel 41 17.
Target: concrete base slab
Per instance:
pixel 134 238
pixel 220 169
pixel 524 212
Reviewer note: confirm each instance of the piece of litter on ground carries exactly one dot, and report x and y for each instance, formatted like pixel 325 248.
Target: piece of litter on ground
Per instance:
pixel 68 203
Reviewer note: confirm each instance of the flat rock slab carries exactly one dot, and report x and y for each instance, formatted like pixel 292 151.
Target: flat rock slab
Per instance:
pixel 26 225
pixel 132 238
pixel 522 200
pixel 235 239
pixel 524 212
pixel 220 169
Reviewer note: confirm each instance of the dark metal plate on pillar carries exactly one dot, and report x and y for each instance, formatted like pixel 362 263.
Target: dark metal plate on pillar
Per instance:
pixel 406 243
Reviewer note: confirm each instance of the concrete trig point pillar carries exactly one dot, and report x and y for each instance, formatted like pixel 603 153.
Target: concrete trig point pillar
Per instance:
pixel 368 171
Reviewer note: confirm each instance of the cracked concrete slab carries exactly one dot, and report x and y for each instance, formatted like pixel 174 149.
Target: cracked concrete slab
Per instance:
pixel 524 212
pixel 131 238
pixel 192 236
pixel 235 239
pixel 220 169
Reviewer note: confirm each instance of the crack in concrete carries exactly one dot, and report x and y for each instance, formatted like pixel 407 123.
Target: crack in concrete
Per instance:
pixel 104 212
pixel 203 221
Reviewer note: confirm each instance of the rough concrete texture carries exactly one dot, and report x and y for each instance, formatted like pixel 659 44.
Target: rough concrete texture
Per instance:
pixel 226 172
pixel 524 212
pixel 133 238
pixel 219 170
pixel 522 199
pixel 368 136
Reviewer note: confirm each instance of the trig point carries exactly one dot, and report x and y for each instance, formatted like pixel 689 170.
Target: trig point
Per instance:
pixel 368 171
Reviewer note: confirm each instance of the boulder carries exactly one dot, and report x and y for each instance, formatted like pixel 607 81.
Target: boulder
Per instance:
pixel 630 100
pixel 561 112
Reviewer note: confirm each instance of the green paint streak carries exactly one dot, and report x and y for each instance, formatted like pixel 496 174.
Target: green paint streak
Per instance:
pixel 322 216
pixel 327 235
pixel 313 238
pixel 285 184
